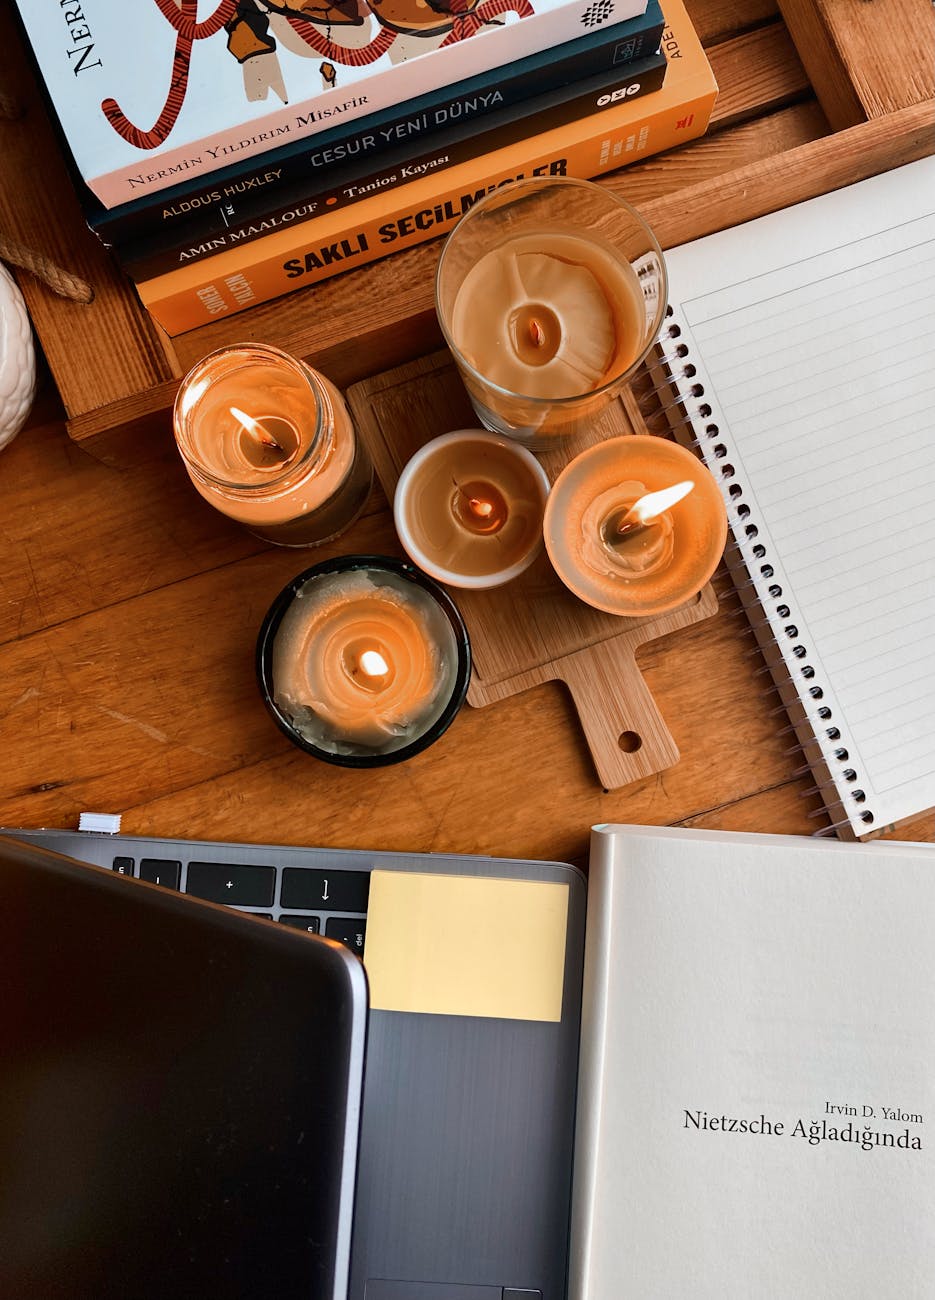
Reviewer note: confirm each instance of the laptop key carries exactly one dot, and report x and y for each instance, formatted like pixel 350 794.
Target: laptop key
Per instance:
pixel 325 891
pixel 159 871
pixel 349 930
pixel 299 922
pixel 227 882
pixel 123 866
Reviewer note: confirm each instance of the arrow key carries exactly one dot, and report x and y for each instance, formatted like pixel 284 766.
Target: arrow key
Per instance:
pixel 325 891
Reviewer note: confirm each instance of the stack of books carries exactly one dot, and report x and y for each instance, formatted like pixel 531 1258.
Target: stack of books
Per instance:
pixel 227 157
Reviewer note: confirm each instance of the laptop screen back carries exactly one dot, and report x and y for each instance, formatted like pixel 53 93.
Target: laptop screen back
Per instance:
pixel 179 1093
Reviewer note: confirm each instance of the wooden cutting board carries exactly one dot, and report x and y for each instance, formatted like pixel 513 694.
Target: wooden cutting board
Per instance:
pixel 533 629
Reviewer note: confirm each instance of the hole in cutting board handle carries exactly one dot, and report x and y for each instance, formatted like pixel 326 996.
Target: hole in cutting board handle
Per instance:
pixel 630 741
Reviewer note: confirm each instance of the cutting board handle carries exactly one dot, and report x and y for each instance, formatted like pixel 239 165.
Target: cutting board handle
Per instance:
pixel 626 733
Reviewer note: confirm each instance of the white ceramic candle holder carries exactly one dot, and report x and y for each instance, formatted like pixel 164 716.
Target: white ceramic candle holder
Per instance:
pixel 468 508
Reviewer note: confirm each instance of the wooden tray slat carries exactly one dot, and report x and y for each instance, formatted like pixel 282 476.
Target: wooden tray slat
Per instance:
pixel 865 60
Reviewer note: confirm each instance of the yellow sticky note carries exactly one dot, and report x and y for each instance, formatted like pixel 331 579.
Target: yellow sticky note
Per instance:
pixel 466 945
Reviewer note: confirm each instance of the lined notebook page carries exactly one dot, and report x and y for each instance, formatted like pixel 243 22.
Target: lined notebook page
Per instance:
pixel 812 332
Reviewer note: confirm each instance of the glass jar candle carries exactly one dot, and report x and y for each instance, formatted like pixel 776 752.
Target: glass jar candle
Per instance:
pixel 268 441
pixel 363 661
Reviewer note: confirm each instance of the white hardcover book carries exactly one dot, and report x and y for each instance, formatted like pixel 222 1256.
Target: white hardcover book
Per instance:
pixel 757 1081
pixel 150 93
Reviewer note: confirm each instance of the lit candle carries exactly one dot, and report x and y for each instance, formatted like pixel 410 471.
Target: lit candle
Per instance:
pixel 635 525
pixel 269 442
pixel 363 661
pixel 550 293
pixel 468 508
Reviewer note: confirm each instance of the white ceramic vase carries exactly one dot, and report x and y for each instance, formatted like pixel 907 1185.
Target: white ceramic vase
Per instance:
pixel 17 359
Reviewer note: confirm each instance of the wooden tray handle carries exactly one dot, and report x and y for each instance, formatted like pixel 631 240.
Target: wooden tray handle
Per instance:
pixel 625 731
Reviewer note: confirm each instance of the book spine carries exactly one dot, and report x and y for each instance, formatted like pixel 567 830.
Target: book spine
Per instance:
pixel 356 98
pixel 240 186
pixel 183 300
pixel 347 186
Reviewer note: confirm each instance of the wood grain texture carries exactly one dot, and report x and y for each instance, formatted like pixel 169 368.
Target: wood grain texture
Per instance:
pixel 722 152
pixel 865 60
pixel 756 73
pixel 801 173
pixel 77 535
pixel 719 20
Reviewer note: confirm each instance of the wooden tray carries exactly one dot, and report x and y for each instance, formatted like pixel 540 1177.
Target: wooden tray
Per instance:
pixel 781 132
pixel 534 630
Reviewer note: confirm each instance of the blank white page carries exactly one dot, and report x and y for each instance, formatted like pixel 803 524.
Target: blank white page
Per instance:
pixel 812 334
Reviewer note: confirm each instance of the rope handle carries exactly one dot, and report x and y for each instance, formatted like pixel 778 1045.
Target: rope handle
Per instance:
pixel 59 280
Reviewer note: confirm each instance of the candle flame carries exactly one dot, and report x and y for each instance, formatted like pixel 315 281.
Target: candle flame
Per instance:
pixel 254 427
pixel 652 505
pixel 480 507
pixel 536 333
pixel 372 664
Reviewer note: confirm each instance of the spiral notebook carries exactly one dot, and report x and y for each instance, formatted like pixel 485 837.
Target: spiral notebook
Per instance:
pixel 801 347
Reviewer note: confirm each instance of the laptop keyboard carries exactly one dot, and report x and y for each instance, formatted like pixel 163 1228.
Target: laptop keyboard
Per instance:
pixel 332 903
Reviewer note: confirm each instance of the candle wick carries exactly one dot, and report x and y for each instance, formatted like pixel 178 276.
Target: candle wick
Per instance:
pixel 255 429
pixel 267 438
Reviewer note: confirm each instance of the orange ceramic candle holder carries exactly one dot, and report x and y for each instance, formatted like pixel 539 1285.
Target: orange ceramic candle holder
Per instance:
pixel 550 293
pixel 363 661
pixel 636 571
pixel 269 442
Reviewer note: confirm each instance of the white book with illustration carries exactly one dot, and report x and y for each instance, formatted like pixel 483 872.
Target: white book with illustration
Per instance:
pixel 151 93
pixel 757 1082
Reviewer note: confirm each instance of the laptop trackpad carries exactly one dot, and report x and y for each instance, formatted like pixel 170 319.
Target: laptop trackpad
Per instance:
pixel 383 1289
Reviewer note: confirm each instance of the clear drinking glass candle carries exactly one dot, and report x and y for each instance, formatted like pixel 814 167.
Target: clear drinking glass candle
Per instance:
pixel 550 293
pixel 268 441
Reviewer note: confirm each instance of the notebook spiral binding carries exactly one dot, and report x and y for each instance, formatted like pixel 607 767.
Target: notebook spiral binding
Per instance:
pixel 676 395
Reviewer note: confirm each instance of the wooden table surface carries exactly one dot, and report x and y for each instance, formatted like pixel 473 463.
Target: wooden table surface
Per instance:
pixel 130 609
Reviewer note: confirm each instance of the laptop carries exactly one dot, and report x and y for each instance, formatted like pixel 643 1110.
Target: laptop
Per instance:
pixel 148 985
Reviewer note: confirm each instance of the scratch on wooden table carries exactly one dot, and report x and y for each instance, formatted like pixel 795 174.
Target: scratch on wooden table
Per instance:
pixel 153 732
pixel 33 592
pixel 30 693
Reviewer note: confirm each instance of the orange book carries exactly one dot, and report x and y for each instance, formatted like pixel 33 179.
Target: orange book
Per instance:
pixel 337 241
